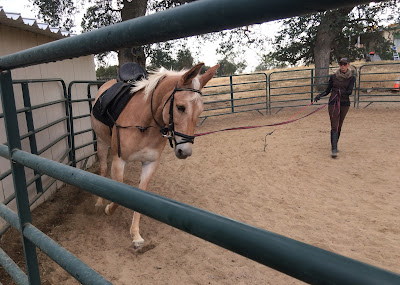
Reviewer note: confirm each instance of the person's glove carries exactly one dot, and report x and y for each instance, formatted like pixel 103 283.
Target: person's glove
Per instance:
pixel 317 97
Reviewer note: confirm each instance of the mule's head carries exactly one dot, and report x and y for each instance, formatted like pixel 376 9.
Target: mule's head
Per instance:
pixel 187 106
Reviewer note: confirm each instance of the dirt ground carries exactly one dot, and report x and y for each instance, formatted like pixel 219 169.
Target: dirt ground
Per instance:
pixel 349 205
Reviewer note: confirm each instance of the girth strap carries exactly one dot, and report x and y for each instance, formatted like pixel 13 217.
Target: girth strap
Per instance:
pixel 117 126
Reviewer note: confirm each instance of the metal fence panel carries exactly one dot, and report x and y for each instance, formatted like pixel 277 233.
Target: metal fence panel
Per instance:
pixel 377 83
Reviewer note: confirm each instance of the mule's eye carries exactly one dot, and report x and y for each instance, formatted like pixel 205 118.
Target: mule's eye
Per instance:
pixel 181 108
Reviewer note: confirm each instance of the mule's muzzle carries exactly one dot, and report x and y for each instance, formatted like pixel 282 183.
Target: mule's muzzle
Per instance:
pixel 183 149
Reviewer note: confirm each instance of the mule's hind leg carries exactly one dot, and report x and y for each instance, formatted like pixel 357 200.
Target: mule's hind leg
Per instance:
pixel 102 153
pixel 148 170
pixel 117 174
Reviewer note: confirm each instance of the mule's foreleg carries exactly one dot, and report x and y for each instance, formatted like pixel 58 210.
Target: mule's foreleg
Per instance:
pixel 117 174
pixel 148 170
pixel 102 153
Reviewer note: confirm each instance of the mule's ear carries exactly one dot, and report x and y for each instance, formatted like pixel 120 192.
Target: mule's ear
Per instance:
pixel 208 75
pixel 188 77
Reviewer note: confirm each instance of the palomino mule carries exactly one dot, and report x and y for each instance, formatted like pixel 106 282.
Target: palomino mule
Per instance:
pixel 165 107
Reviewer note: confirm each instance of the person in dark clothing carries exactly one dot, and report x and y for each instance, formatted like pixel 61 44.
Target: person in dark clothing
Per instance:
pixel 340 86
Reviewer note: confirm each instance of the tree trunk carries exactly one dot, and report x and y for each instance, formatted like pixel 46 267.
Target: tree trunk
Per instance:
pixel 332 23
pixel 132 9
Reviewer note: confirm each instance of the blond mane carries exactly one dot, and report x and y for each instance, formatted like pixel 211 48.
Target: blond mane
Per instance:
pixel 154 77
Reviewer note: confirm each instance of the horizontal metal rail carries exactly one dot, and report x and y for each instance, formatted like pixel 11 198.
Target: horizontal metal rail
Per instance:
pixel 83 132
pixel 12 268
pixel 80 117
pixel 82 100
pixel 74 266
pixel 297 259
pixel 5 174
pixel 85 145
pixel 38 130
pixel 86 157
pixel 47 147
pixel 40 194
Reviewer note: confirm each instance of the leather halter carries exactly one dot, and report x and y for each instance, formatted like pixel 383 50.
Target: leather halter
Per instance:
pixel 169 132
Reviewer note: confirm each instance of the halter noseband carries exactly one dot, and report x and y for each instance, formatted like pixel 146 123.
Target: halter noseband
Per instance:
pixel 169 132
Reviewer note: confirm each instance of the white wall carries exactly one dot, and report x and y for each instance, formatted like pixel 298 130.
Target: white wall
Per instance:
pixel 83 68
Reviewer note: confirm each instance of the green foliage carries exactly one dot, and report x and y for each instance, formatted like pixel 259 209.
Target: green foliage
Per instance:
pixel 56 13
pixel 106 73
pixel 229 67
pixel 229 64
pixel 296 42
pixel 101 14
pixel 267 62
pixel 161 56
pixel 184 59
pixel 204 68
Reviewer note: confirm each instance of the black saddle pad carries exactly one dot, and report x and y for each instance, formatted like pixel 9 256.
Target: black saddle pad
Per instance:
pixel 111 103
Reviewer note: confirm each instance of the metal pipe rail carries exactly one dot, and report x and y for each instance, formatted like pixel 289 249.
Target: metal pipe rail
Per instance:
pixel 12 268
pixel 79 270
pixel 297 259
pixel 183 21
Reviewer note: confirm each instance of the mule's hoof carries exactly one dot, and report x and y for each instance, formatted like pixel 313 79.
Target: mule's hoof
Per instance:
pixel 107 210
pixel 100 209
pixel 136 244
pixel 143 249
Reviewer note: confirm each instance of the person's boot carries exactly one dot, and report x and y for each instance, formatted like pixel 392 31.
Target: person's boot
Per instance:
pixel 334 140
pixel 338 136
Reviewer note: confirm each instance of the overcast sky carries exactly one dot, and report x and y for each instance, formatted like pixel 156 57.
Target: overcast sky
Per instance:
pixel 206 55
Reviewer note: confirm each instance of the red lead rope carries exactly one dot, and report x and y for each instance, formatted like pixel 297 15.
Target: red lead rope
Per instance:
pixel 291 120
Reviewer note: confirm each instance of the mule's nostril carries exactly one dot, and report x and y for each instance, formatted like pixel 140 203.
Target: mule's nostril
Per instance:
pixel 180 152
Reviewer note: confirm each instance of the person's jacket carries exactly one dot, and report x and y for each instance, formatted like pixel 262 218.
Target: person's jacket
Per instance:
pixel 342 88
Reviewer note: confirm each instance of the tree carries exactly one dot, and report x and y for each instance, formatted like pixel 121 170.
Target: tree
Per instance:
pixel 227 67
pixel 267 62
pixel 184 59
pixel 324 37
pixel 161 56
pixel 56 13
pixel 102 13
pixel 106 73
pixel 229 64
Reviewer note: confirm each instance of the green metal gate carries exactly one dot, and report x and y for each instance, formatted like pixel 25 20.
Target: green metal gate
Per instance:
pixel 376 83
pixel 294 258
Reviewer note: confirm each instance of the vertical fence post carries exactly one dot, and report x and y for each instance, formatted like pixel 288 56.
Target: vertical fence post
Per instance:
pixel 266 94
pixel 67 114
pixel 19 179
pixel 31 130
pixel 89 95
pixel 269 93
pixel 358 91
pixel 71 128
pixel 312 85
pixel 231 85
